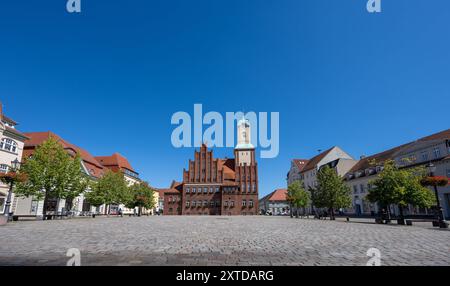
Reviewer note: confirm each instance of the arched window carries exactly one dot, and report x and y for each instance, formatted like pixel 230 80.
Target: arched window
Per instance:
pixel 8 145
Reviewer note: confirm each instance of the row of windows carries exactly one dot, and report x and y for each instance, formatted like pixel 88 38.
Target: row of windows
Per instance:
pixel 8 145
pixel 194 204
pixel 174 199
pixel 244 203
pixel 204 190
pixel 202 203
pixel 424 156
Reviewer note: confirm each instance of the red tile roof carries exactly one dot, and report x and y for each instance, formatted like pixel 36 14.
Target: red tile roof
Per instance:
pixel 312 163
pixel 15 131
pixel 227 165
pixel 278 195
pixel 116 160
pixel 176 187
pixel 381 157
pixel 37 138
pixel 300 163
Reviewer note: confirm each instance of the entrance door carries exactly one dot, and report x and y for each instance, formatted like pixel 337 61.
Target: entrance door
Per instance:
pixel 358 209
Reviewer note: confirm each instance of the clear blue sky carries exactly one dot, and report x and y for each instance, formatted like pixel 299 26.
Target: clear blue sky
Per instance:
pixel 110 78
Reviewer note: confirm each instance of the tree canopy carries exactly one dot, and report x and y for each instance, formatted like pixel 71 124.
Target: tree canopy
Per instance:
pixel 111 188
pixel 400 186
pixel 297 196
pixel 331 191
pixel 141 196
pixel 52 173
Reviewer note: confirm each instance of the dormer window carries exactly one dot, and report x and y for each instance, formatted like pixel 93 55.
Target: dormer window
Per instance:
pixel 8 145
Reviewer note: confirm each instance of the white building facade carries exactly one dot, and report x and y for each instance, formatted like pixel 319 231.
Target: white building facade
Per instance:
pixel 433 149
pixel 11 149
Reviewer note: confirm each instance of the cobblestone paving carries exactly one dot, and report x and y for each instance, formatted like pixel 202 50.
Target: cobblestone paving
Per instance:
pixel 219 241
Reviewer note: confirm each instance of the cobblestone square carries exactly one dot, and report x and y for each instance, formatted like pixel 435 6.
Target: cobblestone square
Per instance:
pixel 219 241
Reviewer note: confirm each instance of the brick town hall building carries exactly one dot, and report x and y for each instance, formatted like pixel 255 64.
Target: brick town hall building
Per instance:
pixel 213 186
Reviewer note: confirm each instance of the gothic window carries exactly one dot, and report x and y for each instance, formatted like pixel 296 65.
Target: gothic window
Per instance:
pixel 193 190
pixel 211 190
pixel 217 189
pixel 244 203
pixel 205 190
pixel 187 204
pixel 250 203
pixel 187 190
pixel 8 145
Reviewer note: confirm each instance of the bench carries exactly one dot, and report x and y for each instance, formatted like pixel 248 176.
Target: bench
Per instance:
pixel 16 217
pixel 409 222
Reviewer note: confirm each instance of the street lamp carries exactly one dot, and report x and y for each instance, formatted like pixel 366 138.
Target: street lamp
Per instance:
pixel 15 165
pixel 442 223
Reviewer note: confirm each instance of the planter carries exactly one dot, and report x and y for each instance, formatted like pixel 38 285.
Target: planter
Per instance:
pixel 443 224
pixel 3 220
pixel 401 221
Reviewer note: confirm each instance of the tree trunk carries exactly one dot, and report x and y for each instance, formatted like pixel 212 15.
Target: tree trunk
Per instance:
pixel 139 211
pixel 57 209
pixel 296 212
pixel 106 209
pixel 290 210
pixel 44 208
pixel 401 221
pixel 331 211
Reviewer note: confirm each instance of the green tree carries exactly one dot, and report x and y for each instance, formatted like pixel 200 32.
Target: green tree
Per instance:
pixel 142 196
pixel 331 191
pixel 51 173
pixel 400 186
pixel 111 188
pixel 297 196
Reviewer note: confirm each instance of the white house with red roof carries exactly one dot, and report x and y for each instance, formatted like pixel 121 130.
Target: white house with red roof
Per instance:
pixel 28 206
pixel 11 148
pixel 275 203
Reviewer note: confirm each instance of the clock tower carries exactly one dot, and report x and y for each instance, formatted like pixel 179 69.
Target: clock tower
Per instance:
pixel 244 151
